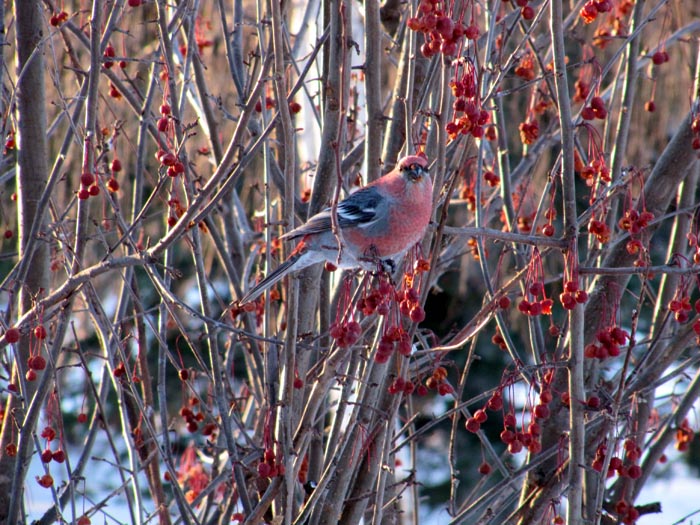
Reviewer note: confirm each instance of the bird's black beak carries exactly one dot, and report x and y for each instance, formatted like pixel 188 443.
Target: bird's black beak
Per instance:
pixel 416 173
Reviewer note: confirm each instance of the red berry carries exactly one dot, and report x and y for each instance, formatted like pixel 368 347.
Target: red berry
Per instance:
pixel 444 389
pixel 94 190
pixel 264 470
pixel 163 124
pixel 587 113
pixel 682 316
pixel 541 411
pixel 448 48
pixel 48 433
pixel 445 26
pixel 134 3
pixel 59 456
pixel 45 481
pixel 113 185
pixel 12 335
pixel 536 288
pixel 471 32
pixel 40 332
pixel 658 58
pixel 515 446
pixel 425 50
pixel 167 159
pixel 507 436
pixel 616 463
pixel 8 234
pixel 37 362
pixel 484 469
pixel 597 103
pixel 46 455
pixel 527 12
pixel 570 286
pixel 634 472
pixel 183 374
pixel 87 179
pixel 82 417
pixel 417 314
pixel 165 109
pixel 30 375
pixel 472 425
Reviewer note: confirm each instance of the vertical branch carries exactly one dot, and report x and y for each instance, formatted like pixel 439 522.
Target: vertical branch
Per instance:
pixel 373 64
pixel 577 436
pixel 286 391
pixel 32 169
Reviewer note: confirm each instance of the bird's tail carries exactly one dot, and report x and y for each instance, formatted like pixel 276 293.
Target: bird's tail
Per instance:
pixel 275 276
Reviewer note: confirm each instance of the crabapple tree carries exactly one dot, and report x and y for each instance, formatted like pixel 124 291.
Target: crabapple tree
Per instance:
pixel 532 360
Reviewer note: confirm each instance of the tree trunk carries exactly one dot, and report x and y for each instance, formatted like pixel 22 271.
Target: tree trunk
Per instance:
pixel 31 179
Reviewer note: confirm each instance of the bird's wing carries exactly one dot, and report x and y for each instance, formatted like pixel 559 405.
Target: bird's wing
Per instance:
pixel 359 209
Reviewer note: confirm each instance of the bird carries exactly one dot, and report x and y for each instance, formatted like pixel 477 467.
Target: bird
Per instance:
pixel 377 225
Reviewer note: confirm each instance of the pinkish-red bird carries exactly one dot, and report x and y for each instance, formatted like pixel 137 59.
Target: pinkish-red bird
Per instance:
pixel 377 224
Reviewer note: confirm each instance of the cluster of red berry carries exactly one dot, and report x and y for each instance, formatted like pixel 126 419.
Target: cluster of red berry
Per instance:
pixel 529 131
pixel 346 333
pixel 532 304
pixel 517 440
pixel 595 109
pixel 526 10
pixel 624 468
pixel 437 381
pixel 610 340
pixel 192 418
pixel 680 305
pixel 590 10
pixel 572 294
pixel 394 339
pixel 403 386
pixel 270 467
pixel 684 436
pixel 168 159
pixel 58 19
pixel 442 33
pixel 596 171
pixel 468 116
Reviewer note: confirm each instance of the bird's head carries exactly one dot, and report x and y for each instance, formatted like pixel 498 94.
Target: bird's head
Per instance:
pixel 414 167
